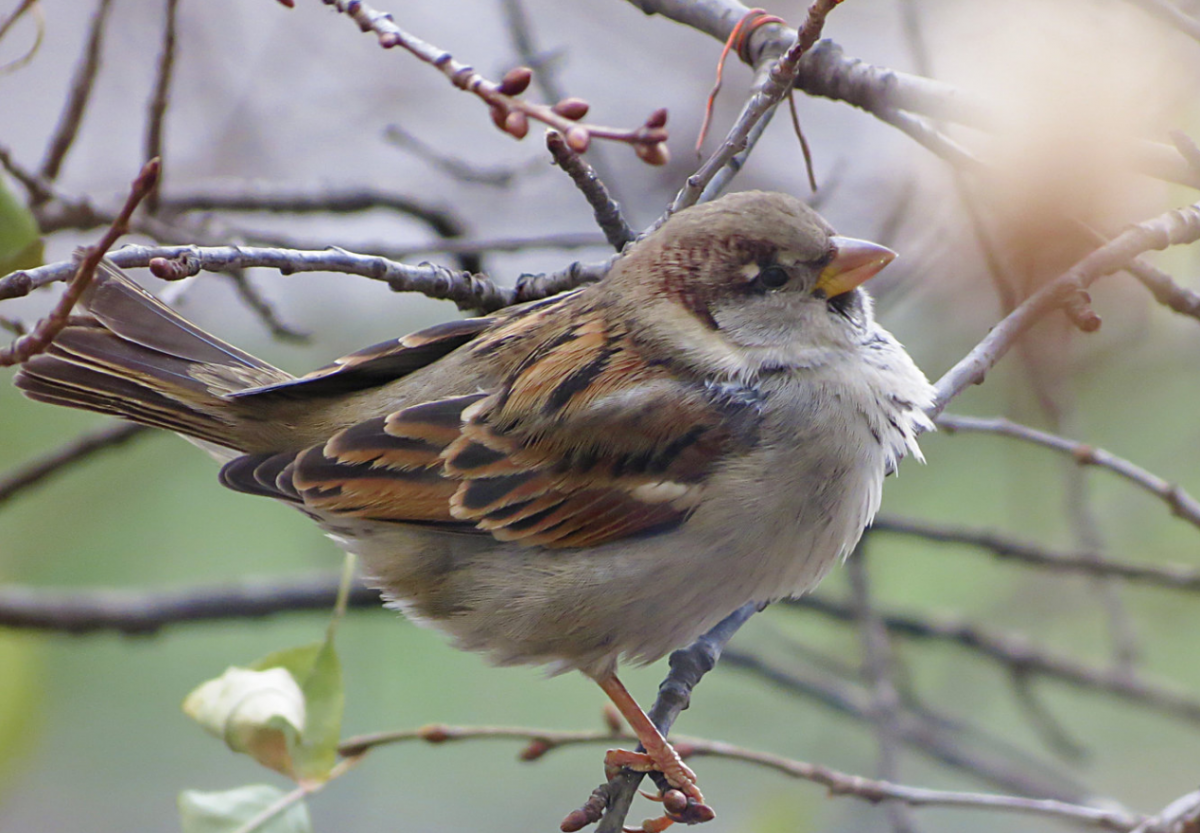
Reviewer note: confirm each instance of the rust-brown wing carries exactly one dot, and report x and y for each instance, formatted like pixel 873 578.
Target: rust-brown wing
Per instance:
pixel 584 443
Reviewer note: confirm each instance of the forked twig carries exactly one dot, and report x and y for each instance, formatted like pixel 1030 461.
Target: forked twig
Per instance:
pixel 44 332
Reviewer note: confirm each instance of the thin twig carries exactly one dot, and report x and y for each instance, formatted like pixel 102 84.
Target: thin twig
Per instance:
pixel 81 448
pixel 39 189
pixel 1171 576
pixel 511 114
pixel 1180 816
pixel 877 675
pixel 1160 284
pixel 457 246
pixel 273 200
pixel 77 101
pixel 39 339
pixel 263 308
pixel 160 98
pixel 17 13
pixel 462 170
pixel 540 742
pixel 604 207
pixel 1175 227
pixel 1018 655
pixel 1180 502
pixel 519 29
pixel 760 122
pixel 826 71
pixel 467 290
pixel 928 736
pixel 304 789
pixel 145 612
pixel 1164 289
pixel 544 66
pixel 767 96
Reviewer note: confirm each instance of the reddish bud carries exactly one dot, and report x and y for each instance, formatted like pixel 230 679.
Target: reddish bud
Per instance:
pixel 434 733
pixel 578 139
pixel 516 123
pixel 516 81
pixel 657 119
pixel 575 820
pixel 571 108
pixel 656 154
pixel 171 270
pixel 536 749
pixel 499 116
pixel 389 39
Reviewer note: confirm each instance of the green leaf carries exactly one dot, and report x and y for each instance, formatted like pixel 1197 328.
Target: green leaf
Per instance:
pixel 319 672
pixel 20 243
pixel 229 811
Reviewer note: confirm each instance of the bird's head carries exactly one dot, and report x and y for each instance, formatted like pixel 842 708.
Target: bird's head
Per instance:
pixel 749 282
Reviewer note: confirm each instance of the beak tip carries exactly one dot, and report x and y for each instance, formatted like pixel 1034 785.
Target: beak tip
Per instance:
pixel 856 262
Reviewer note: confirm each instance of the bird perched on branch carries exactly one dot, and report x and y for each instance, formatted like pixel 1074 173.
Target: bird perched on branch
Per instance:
pixel 601 475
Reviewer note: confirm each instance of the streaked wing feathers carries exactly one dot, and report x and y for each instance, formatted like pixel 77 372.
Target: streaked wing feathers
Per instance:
pixel 376 365
pixel 583 443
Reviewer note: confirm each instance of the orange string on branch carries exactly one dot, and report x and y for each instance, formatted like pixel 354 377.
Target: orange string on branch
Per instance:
pixel 738 40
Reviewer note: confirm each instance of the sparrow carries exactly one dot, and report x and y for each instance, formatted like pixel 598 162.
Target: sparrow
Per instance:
pixel 601 475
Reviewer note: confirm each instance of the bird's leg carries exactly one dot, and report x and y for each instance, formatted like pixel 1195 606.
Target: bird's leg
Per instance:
pixel 659 755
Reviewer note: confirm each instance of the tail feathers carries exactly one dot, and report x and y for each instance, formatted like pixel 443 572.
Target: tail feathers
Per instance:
pixel 136 358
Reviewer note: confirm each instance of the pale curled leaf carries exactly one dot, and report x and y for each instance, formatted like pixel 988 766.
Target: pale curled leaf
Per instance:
pixel 224 812
pixel 318 672
pixel 260 713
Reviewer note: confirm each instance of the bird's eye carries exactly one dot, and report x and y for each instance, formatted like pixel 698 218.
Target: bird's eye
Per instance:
pixel 773 276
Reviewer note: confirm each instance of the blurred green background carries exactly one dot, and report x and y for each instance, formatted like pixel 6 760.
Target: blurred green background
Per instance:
pixel 91 734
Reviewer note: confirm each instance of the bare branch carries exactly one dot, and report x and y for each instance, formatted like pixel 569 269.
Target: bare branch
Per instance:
pixel 1180 816
pixel 460 169
pixel 17 13
pixel 607 212
pixel 1180 502
pixel 142 612
pixel 467 290
pixel 263 308
pixel 877 675
pixel 767 96
pixel 38 189
pixel 1177 577
pixel 825 71
pixel 161 97
pixel 1168 293
pixel 441 221
pixel 275 200
pixel 1020 657
pixel 81 448
pixel 511 114
pixel 541 741
pixel 50 326
pixel 81 91
pixel 1176 227
pixel 456 246
pixel 924 734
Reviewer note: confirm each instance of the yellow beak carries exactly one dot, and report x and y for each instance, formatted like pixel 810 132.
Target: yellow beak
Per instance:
pixel 856 261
